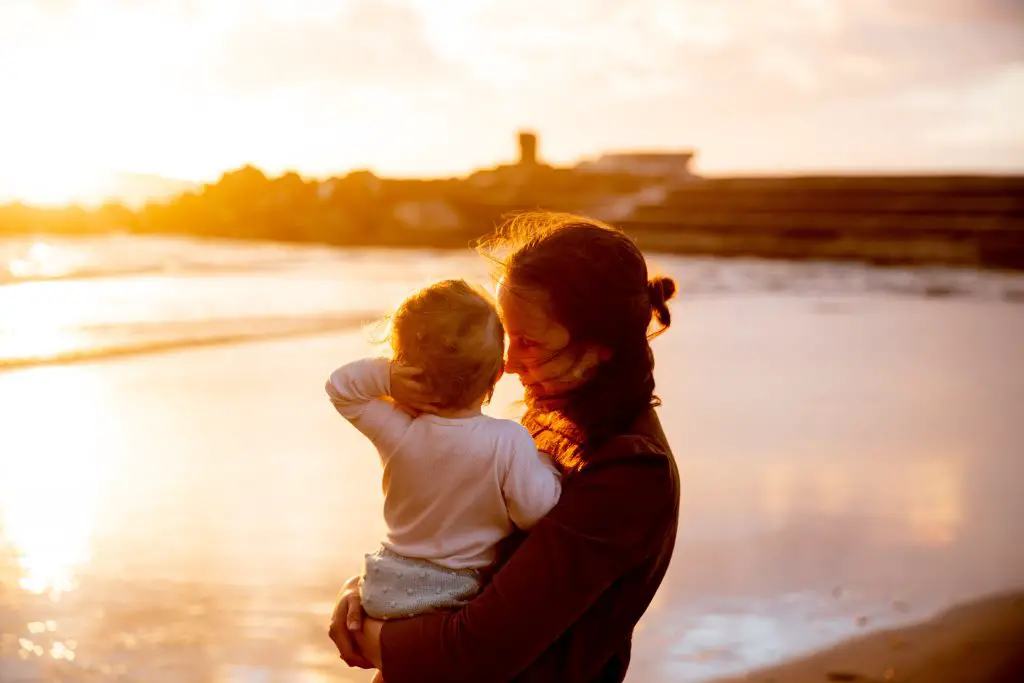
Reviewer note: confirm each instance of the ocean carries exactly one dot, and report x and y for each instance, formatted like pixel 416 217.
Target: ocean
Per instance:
pixel 179 502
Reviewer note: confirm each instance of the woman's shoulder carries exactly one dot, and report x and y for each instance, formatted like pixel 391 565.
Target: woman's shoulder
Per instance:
pixel 638 458
pixel 643 438
pixel 637 471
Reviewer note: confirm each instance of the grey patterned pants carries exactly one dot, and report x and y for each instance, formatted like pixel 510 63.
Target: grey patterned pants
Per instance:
pixel 397 587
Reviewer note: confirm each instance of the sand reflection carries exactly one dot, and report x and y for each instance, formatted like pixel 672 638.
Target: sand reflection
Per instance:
pixel 935 506
pixel 925 497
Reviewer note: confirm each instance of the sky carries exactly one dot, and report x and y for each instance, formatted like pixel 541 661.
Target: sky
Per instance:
pixel 189 88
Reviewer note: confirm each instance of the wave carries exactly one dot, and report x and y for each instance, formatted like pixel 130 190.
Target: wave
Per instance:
pixel 176 270
pixel 120 341
pixel 66 258
pixel 711 276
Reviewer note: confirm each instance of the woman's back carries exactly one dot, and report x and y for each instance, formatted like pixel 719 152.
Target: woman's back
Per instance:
pixel 642 463
pixel 605 548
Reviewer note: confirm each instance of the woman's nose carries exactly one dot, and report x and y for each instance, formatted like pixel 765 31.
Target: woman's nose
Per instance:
pixel 513 364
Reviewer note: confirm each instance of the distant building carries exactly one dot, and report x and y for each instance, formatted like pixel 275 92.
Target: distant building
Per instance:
pixel 674 165
pixel 527 148
pixel 520 173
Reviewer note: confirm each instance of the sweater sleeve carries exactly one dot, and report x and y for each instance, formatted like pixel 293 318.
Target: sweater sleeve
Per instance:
pixel 532 484
pixel 358 391
pixel 604 525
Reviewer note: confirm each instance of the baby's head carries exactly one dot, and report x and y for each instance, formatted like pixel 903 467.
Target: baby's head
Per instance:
pixel 451 331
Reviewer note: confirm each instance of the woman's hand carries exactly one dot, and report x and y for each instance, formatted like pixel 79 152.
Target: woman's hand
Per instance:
pixel 409 391
pixel 346 621
pixel 368 640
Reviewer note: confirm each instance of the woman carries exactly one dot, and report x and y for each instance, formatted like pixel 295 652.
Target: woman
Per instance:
pixel 577 306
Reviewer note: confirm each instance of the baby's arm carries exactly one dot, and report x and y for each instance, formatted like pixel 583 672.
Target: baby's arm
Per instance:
pixel 358 391
pixel 532 485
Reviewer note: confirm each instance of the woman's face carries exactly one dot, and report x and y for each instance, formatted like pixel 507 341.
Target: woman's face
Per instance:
pixel 539 347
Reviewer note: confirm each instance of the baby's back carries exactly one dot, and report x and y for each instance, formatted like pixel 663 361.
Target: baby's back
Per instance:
pixel 454 487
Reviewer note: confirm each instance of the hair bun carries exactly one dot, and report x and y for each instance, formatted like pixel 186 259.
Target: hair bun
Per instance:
pixel 660 290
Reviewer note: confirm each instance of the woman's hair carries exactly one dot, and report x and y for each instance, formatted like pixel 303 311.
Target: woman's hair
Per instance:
pixel 451 331
pixel 595 284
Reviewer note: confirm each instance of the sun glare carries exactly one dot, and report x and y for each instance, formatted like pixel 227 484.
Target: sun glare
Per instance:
pixel 40 319
pixel 52 187
pixel 52 470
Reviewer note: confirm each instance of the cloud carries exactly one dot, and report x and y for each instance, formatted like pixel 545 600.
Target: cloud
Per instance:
pixel 1001 12
pixel 986 113
pixel 380 45
pixel 449 81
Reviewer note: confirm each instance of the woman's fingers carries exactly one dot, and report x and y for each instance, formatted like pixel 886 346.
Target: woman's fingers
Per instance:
pixel 354 617
pixel 344 640
pixel 368 641
pixel 348 610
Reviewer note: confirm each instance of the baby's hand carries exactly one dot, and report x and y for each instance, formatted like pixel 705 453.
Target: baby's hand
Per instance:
pixel 409 392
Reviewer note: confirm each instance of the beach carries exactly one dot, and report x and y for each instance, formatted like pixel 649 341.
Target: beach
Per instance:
pixel 179 502
pixel 979 642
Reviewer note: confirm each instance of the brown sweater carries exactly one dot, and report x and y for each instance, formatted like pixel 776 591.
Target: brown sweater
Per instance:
pixel 564 606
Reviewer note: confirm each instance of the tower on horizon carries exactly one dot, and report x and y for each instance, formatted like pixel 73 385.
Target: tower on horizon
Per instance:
pixel 527 148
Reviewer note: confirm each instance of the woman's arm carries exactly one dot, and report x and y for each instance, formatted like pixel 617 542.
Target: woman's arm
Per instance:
pixel 358 391
pixel 569 559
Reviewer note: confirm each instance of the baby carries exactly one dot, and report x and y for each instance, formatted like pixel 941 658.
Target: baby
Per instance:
pixel 455 481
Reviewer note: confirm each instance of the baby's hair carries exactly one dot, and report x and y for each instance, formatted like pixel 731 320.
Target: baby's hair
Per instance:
pixel 451 331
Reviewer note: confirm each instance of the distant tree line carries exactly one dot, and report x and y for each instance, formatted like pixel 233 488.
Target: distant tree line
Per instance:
pixel 244 203
pixel 355 209
pixel 955 220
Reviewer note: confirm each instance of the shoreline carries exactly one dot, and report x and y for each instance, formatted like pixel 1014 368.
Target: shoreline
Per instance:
pixel 907 251
pixel 974 642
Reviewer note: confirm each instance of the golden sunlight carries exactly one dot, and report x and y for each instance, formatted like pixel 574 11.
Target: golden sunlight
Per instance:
pixel 935 508
pixel 52 472
pixel 53 187
pixel 59 150
pixel 41 260
pixel 38 318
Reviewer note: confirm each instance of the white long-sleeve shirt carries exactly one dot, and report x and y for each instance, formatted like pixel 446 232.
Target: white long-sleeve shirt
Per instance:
pixel 453 487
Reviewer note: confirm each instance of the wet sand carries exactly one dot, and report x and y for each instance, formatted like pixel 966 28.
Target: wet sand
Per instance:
pixel 849 464
pixel 981 642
